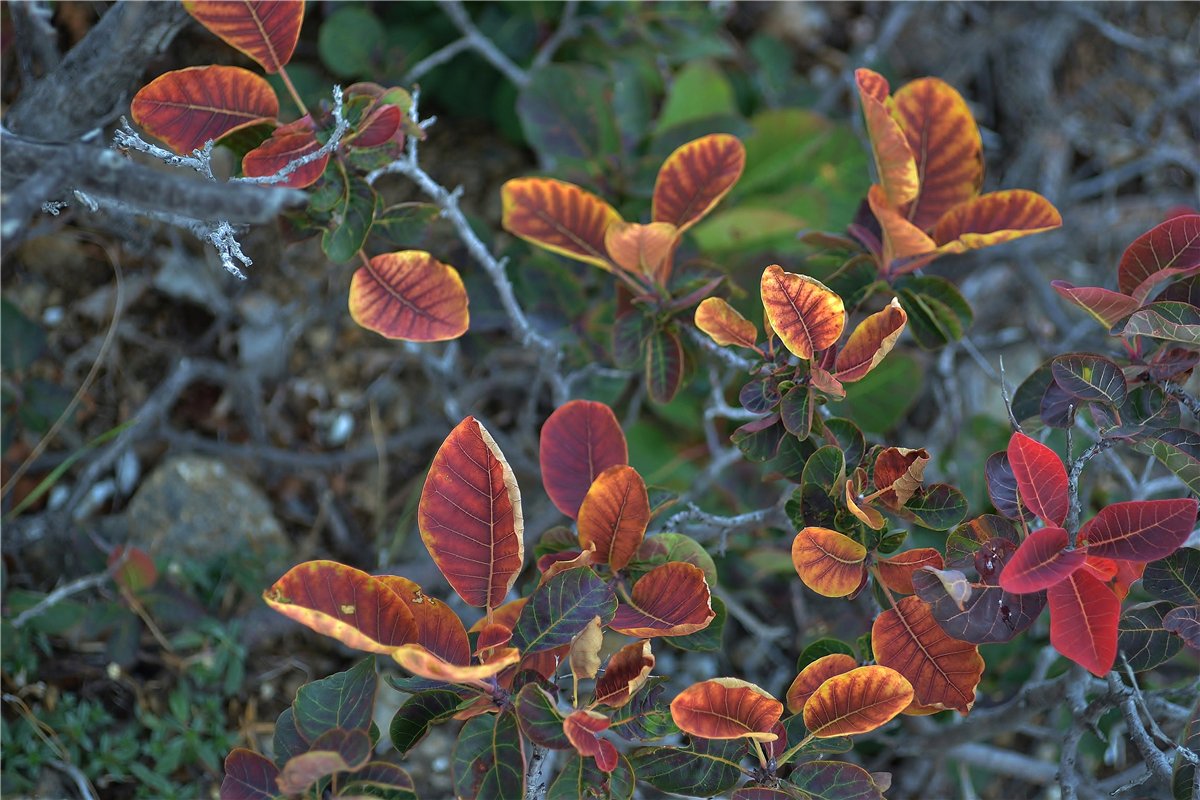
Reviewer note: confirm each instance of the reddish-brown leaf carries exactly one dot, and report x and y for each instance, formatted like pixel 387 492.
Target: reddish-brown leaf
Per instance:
pixel 560 217
pixel 695 177
pixel 724 324
pixel 187 107
pixel 857 701
pixel 249 776
pixel 894 161
pixel 265 30
pixel 873 339
pixel 626 672
pixel 614 515
pixel 347 604
pixel 670 600
pixel 409 295
pixel 583 731
pixel 1140 530
pixel 491 636
pixel 470 516
pixel 549 569
pixel 943 671
pixel 829 563
pixel 905 246
pixel 419 661
pixel 897 571
pixel 1105 305
pixel 807 315
pixel 641 249
pixel 439 629
pixel 1173 246
pixel 945 141
pixel 813 675
pixel 1041 478
pixel 580 440
pixel 994 218
pixel 280 150
pixel 380 126
pixel 899 472
pixel 726 708
pixel 1083 621
pixel 1184 622
pixel 1041 561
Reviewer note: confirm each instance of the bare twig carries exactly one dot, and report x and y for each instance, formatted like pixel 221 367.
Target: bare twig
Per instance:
pixel 482 44
pixel 58 595
pixel 436 59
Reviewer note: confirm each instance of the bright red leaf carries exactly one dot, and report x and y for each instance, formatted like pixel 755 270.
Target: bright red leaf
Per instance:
pixel 1041 478
pixel 280 150
pixel 1083 621
pixel 1040 562
pixel 1140 530
pixel 1172 247
pixel 583 731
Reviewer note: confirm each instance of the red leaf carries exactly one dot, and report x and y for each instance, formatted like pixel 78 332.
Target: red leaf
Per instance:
pixel 409 295
pixel 1040 562
pixel 582 729
pixel 695 177
pixel 1140 530
pixel 1173 246
pixel 249 776
pixel 265 30
pixel 358 610
pixel 614 515
pixel 671 600
pixel 580 440
pixel 1041 478
pixel 1083 621
pixel 897 571
pixel 280 150
pixel 1105 305
pixel 470 516
pixel 187 107
pixel 136 572
pixel 379 126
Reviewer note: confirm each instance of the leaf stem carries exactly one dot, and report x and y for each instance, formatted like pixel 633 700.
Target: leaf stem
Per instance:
pixel 291 87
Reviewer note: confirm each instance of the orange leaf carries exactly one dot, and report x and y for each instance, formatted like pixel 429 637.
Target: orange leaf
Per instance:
pixel 945 141
pixel 419 661
pixel 894 161
pixel 724 324
pixel 626 672
pixel 580 440
pixel 470 516
pixel 857 701
pixel 560 217
pixel 640 249
pixel 943 671
pixel 829 563
pixel 815 674
pixel 347 604
pixel 726 708
pixel 582 729
pixel 896 572
pixel 898 473
pixel 187 107
pixel 409 295
pixel 994 218
pixel 439 629
pixel 585 559
pixel 854 497
pixel 669 600
pixel 614 515
pixel 265 30
pixel 491 636
pixel 806 314
pixel 873 339
pixel 902 241
pixel 695 177
pixel 280 150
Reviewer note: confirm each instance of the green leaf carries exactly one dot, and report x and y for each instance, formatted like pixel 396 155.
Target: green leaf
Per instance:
pixel 834 780
pixel 826 468
pixel 796 411
pixel 352 217
pixel 937 312
pixel 629 334
pixel 351 42
pixel 380 779
pixel 790 460
pixel 882 399
pixel 1179 451
pixel 825 646
pixel 1142 638
pixel 420 712
pixel 661 548
pixel 707 768
pixel 405 224
pixel 707 639
pixel 1175 578
pixel 1090 377
pixel 1027 399
pixel 747 229
pixel 1172 321
pixel 343 700
pixel 489 758
pixel 540 719
pixel 558 610
pixel 759 440
pixel 288 742
pixel 581 778
pixel 699 90
pixel 566 112
pixel 645 717
pixel 664 365
pixel 22 341
pixel 939 507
